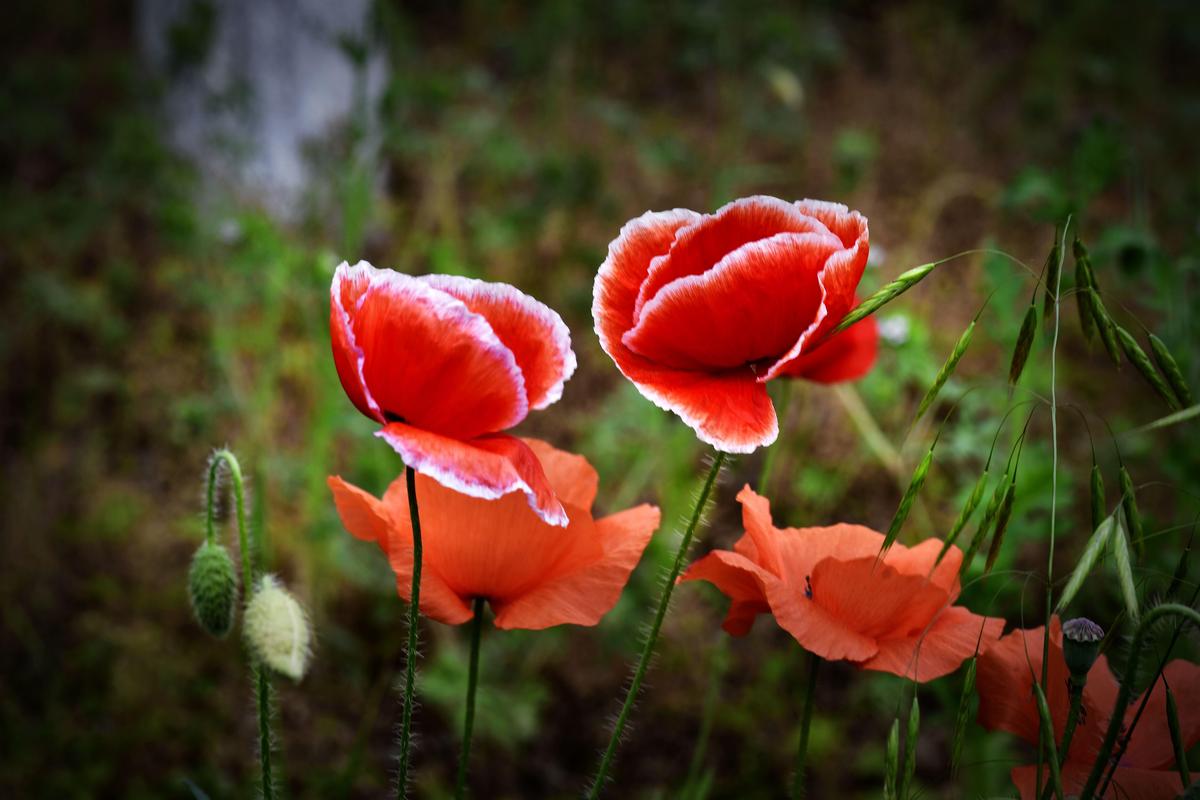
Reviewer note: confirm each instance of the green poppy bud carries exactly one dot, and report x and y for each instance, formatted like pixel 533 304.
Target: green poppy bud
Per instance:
pixel 212 587
pixel 1081 646
pixel 277 629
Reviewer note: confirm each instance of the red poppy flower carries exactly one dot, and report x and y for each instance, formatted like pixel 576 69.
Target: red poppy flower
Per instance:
pixel 444 363
pixel 699 311
pixel 533 575
pixel 826 588
pixel 1004 681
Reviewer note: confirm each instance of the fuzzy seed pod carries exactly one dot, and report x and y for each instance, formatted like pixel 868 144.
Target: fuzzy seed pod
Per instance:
pixel 1142 363
pixel 1132 517
pixel 906 502
pixel 1024 343
pixel 946 371
pixel 1170 368
pixel 1106 326
pixel 277 629
pixel 1081 646
pixel 212 587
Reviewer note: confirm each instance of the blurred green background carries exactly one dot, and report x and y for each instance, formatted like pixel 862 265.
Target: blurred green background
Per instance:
pixel 152 313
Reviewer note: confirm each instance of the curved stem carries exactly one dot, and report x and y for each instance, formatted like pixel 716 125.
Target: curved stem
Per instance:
pixel 239 497
pixel 414 620
pixel 814 662
pixel 1117 718
pixel 460 789
pixel 664 600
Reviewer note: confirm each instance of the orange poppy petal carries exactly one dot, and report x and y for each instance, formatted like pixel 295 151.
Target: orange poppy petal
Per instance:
pixel 750 305
pixel 738 578
pixel 487 467
pixel 581 596
pixel 1151 745
pixel 814 628
pixel 573 479
pixel 950 640
pixel 1129 783
pixel 919 560
pixel 846 356
pixel 1004 681
pixel 536 335
pixel 371 520
pixel 349 284
pixel 423 356
pixel 875 599
pixel 708 239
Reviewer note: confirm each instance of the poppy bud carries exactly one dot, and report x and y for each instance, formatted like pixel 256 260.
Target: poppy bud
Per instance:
pixel 277 629
pixel 212 587
pixel 1081 646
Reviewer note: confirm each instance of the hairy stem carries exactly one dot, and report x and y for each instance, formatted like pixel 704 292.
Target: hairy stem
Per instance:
pixel 239 497
pixel 460 789
pixel 664 600
pixel 414 620
pixel 264 732
pixel 1117 718
pixel 814 663
pixel 1076 690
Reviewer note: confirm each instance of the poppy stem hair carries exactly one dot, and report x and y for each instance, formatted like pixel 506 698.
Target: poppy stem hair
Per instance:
pixel 414 619
pixel 460 788
pixel 262 687
pixel 814 663
pixel 664 600
pixel 1117 717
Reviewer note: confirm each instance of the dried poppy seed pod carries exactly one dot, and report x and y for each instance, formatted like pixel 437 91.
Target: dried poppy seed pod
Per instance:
pixel 1081 646
pixel 212 587
pixel 277 629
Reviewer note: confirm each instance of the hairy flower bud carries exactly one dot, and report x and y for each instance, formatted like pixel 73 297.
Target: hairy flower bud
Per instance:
pixel 277 629
pixel 1081 646
pixel 212 587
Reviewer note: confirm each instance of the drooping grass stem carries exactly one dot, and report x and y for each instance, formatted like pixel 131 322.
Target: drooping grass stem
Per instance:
pixel 664 600
pixel 460 788
pixel 814 663
pixel 1117 717
pixel 414 620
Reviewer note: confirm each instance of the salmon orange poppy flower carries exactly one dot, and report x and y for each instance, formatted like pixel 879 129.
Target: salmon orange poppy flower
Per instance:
pixel 701 310
pixel 443 364
pixel 827 588
pixel 1004 680
pixel 533 575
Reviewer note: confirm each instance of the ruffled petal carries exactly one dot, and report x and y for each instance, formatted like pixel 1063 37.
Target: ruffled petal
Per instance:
pixel 839 278
pixel 1004 681
pixel 370 519
pixel 814 628
pixel 708 239
pixel 739 579
pixel 582 593
pixel 919 560
pixel 751 305
pixel 536 334
pixel 348 286
pixel 423 356
pixel 573 479
pixel 951 639
pixel 487 467
pixel 728 410
pixel 846 356
pixel 874 599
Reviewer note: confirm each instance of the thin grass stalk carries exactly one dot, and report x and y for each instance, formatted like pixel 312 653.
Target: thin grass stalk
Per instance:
pixel 1177 737
pixel 1170 368
pixel 962 717
pixel 946 370
pixel 664 600
pixel 1117 717
pixel 814 663
pixel 910 748
pixel 414 622
pixel 892 766
pixel 888 292
pixel 1047 735
pixel 1075 689
pixel 718 663
pixel 964 516
pixel 906 502
pixel 464 758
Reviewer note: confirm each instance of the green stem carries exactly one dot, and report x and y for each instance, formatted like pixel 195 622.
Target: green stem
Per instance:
pixel 414 621
pixel 264 732
pixel 1076 690
pixel 1117 718
pixel 717 667
pixel 460 789
pixel 652 636
pixel 239 496
pixel 814 662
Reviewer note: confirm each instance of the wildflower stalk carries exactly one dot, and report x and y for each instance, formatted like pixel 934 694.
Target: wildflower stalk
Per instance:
pixel 1047 735
pixel 224 457
pixel 414 619
pixel 460 789
pixel 1177 742
pixel 718 664
pixel 1117 717
pixel 660 614
pixel 814 663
